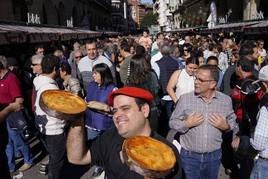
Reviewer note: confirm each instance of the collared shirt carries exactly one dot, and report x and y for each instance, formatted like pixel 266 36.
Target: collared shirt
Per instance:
pixel 204 137
pixel 85 66
pixel 10 88
pixel 154 65
pixel 105 152
pixel 260 139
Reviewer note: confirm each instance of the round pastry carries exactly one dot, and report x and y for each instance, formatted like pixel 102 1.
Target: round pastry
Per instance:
pixel 98 106
pixel 148 157
pixel 62 104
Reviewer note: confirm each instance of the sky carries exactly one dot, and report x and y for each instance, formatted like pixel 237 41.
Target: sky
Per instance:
pixel 146 1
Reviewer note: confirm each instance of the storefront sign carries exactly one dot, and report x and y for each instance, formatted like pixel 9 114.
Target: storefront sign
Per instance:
pixel 33 18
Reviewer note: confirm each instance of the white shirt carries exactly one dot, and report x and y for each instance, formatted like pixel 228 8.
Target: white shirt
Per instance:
pixel 154 65
pixel 260 139
pixel 185 83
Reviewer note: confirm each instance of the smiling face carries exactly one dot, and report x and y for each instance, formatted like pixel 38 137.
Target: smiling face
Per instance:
pixel 129 118
pixel 91 50
pixel 191 69
pixel 96 76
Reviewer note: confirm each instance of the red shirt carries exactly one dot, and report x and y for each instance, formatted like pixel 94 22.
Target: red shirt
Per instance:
pixel 9 88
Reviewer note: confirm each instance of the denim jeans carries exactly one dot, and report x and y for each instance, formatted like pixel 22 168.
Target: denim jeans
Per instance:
pixel 56 147
pixel 260 169
pixel 16 143
pixel 201 166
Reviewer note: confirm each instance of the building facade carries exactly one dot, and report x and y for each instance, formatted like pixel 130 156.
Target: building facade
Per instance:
pixel 165 19
pixel 192 13
pixel 88 14
pixel 138 11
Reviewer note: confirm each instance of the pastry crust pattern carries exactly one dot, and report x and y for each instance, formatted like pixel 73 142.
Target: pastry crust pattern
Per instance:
pixel 149 153
pixel 62 101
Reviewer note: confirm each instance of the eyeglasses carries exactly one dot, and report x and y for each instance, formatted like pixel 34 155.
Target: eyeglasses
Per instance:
pixel 78 57
pixel 34 64
pixel 201 80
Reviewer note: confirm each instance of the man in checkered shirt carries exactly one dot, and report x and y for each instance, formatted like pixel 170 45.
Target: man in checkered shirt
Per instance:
pixel 260 138
pixel 201 117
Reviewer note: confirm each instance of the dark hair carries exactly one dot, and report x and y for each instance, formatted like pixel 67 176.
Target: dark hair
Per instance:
pixel 211 46
pixel 140 102
pixel 158 34
pixel 66 67
pixel 211 58
pixel 245 64
pixel 49 63
pixel 247 48
pixel 1 66
pixel 91 42
pixel 214 71
pixel 38 46
pixel 139 69
pixel 105 73
pixel 188 47
pixel 146 30
pixel 125 47
pixel 192 60
pixel 140 50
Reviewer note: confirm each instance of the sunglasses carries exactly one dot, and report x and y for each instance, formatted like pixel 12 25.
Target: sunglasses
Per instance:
pixel 34 64
pixel 78 57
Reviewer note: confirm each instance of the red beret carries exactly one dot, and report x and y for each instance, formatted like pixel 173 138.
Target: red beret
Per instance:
pixel 132 92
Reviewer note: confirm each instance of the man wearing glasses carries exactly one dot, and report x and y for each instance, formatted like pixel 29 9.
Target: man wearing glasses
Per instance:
pixel 36 64
pixel 201 117
pixel 77 55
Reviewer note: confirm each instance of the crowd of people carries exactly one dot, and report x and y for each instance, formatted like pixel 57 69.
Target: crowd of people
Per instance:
pixel 204 96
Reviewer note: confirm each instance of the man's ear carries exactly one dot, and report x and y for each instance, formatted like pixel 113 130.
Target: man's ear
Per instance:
pixel 213 84
pixel 145 108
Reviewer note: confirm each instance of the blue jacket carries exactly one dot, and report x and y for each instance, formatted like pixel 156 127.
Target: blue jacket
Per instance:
pixel 95 93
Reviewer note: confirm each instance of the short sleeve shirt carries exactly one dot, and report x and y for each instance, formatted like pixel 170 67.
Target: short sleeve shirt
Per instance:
pixel 9 88
pixel 105 151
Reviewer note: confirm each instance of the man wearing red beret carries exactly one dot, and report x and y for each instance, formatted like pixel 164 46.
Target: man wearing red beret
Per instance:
pixel 131 109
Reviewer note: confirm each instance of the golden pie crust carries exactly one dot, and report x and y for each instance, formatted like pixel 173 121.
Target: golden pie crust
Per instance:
pixel 63 101
pixel 149 153
pixel 99 106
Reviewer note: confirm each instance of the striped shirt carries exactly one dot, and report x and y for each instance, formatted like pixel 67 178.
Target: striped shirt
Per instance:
pixel 204 137
pixel 260 139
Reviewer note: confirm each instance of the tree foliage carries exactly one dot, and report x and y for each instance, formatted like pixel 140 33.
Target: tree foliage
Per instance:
pixel 148 20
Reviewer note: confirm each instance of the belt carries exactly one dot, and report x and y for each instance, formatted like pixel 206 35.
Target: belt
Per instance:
pixel 200 153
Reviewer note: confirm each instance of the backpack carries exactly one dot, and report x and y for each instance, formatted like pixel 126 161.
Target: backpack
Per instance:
pixel 251 94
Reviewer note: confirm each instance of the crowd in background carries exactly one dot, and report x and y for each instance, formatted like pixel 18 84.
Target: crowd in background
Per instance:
pixel 171 67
